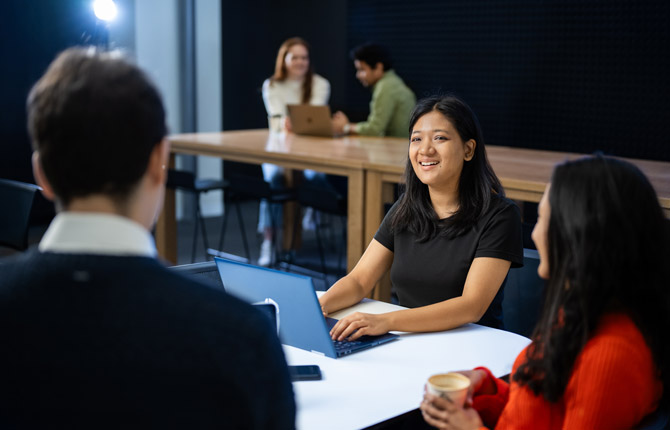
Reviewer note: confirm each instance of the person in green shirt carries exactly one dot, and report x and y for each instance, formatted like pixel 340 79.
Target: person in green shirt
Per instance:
pixel 392 100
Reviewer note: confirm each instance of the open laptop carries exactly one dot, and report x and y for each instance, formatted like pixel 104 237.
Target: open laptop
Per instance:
pixel 311 120
pixel 302 323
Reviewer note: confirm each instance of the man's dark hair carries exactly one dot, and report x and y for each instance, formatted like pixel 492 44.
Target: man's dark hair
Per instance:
pixel 371 54
pixel 94 118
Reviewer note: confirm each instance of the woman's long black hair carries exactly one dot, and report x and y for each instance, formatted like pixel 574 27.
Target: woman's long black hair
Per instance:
pixel 476 186
pixel 607 252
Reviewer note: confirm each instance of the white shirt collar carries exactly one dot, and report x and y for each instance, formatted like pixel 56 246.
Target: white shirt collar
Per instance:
pixel 97 233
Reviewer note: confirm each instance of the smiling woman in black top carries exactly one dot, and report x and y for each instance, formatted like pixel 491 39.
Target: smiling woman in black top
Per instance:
pixel 450 239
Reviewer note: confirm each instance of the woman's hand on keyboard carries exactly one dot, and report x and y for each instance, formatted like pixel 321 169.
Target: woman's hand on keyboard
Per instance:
pixel 358 324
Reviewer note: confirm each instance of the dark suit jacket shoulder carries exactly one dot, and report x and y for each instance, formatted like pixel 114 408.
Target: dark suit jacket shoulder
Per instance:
pixel 94 341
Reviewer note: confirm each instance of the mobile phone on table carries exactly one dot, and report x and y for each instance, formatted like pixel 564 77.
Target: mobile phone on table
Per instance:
pixel 310 372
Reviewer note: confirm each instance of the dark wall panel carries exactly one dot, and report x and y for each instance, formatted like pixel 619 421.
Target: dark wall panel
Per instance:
pixel 31 34
pixel 561 75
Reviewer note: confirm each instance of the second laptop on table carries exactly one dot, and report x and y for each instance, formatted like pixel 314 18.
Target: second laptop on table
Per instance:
pixel 311 120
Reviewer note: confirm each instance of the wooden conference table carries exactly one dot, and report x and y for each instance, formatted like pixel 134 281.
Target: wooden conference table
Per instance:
pixel 386 381
pixel 372 165
pixel 524 174
pixel 345 157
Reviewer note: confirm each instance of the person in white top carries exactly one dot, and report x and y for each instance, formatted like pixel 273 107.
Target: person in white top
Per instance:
pixel 293 82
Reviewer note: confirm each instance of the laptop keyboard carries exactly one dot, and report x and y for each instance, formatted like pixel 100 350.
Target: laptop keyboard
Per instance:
pixel 341 345
pixel 346 347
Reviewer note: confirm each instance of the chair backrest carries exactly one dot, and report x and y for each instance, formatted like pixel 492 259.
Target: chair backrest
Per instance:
pixel 205 272
pixel 181 179
pixel 658 420
pixel 523 295
pixel 322 199
pixel 17 201
pixel 246 180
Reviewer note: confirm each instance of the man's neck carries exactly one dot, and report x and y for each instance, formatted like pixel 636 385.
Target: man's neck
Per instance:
pixel 99 203
pixel 96 203
pixel 384 75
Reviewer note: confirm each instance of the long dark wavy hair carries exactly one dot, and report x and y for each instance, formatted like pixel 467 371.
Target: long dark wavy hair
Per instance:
pixel 607 252
pixel 477 184
pixel 280 67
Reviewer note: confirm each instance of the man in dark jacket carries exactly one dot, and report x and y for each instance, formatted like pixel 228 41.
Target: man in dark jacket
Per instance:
pixel 95 331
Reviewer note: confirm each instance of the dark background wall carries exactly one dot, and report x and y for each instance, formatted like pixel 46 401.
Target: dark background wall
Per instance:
pixel 31 33
pixel 562 75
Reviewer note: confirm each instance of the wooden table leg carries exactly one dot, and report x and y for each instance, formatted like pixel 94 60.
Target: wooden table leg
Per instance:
pixel 355 217
pixel 166 226
pixel 291 240
pixel 378 190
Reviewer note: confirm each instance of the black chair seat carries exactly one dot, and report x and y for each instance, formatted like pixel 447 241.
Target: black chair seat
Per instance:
pixel 282 195
pixel 255 188
pixel 187 181
pixel 204 185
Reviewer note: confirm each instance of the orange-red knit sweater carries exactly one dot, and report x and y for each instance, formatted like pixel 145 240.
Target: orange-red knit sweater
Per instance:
pixel 614 385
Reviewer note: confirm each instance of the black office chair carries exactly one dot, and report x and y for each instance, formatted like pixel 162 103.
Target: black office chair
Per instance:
pixel 523 296
pixel 247 183
pixel 325 200
pixel 17 200
pixel 182 180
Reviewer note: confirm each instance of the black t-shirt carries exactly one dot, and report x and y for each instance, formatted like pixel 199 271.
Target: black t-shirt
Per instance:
pixel 435 270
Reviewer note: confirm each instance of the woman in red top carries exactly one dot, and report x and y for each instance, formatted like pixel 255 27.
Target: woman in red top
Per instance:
pixel 599 357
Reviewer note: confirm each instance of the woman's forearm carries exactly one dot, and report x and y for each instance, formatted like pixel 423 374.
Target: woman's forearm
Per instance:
pixel 344 293
pixel 352 288
pixel 440 316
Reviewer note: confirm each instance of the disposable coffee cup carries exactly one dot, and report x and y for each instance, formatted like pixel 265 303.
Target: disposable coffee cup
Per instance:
pixel 276 123
pixel 452 386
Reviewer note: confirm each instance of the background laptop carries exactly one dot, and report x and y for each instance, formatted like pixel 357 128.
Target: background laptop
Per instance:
pixel 311 120
pixel 302 323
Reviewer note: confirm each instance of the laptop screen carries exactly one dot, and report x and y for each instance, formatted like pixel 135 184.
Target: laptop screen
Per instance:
pixel 301 322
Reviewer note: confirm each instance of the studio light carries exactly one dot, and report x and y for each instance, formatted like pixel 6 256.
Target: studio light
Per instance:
pixel 105 10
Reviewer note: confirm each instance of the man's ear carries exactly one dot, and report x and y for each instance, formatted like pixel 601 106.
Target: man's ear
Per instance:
pixel 379 67
pixel 41 178
pixel 470 146
pixel 158 161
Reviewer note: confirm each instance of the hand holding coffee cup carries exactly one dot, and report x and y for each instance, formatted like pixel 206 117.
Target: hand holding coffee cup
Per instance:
pixel 452 386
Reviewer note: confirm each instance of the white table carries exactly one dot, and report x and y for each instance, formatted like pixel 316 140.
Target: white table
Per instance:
pixel 372 386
